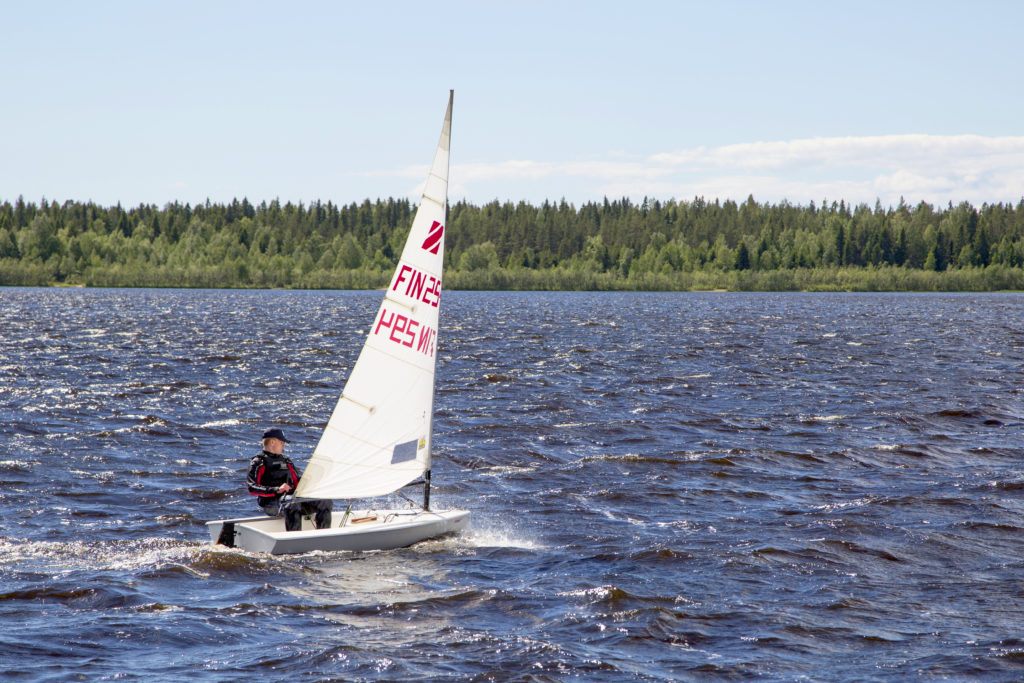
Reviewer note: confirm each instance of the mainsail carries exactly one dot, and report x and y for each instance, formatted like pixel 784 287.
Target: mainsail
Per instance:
pixel 378 437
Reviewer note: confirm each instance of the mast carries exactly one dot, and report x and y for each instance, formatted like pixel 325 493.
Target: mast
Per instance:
pixel 433 387
pixel 378 438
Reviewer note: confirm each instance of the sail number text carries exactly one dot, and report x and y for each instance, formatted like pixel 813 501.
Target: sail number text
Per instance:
pixel 404 330
pixel 419 286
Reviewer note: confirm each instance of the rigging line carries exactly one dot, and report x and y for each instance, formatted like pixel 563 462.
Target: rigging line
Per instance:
pixel 404 497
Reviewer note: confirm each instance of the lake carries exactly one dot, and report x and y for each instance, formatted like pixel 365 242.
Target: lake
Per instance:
pixel 662 486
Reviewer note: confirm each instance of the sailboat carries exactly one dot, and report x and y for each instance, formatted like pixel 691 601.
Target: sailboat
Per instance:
pixel 378 438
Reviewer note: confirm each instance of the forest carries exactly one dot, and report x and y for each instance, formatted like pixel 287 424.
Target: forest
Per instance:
pixel 607 245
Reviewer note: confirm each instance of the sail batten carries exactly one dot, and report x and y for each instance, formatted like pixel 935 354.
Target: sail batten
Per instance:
pixel 379 441
pixel 353 401
pixel 398 302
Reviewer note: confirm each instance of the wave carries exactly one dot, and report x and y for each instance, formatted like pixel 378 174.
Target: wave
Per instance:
pixel 136 557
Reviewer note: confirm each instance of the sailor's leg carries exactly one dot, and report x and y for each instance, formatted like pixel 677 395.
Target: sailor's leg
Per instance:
pixel 323 513
pixel 292 517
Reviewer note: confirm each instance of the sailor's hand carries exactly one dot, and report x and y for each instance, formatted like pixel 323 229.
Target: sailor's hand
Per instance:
pixel 284 488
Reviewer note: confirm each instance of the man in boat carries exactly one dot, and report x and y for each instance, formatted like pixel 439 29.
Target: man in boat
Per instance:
pixel 272 476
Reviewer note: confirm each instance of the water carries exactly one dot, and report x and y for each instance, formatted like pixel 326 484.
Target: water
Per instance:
pixel 663 487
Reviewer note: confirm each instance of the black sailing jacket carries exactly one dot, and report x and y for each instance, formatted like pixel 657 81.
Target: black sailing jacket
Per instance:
pixel 267 471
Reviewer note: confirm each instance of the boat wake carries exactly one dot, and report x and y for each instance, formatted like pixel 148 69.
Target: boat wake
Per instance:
pixel 20 557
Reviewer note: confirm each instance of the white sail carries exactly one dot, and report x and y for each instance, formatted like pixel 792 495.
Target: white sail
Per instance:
pixel 378 437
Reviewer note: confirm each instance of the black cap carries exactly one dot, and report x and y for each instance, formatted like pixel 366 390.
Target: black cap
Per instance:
pixel 275 433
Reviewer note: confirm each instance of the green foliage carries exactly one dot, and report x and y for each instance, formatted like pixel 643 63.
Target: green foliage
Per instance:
pixel 675 245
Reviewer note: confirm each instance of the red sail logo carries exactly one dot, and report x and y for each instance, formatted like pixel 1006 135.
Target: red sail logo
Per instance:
pixel 433 241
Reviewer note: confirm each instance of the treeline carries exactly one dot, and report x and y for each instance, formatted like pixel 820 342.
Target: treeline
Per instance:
pixel 607 245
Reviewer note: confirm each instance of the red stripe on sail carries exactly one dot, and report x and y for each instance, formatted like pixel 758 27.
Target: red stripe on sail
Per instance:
pixel 433 241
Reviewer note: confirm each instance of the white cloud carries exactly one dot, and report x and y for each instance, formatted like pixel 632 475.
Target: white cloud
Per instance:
pixel 893 151
pixel 933 168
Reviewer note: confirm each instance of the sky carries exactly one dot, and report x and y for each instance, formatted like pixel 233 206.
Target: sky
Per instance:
pixel 156 102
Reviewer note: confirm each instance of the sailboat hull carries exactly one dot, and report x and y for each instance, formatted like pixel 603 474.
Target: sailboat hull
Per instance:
pixel 363 530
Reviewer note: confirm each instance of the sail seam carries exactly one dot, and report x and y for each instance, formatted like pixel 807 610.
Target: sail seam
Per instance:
pixel 354 465
pixel 354 437
pixel 348 463
pixel 402 360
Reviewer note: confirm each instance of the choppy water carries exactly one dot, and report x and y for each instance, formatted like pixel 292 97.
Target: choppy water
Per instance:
pixel 663 486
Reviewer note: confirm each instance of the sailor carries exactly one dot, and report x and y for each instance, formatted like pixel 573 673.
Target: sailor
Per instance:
pixel 272 476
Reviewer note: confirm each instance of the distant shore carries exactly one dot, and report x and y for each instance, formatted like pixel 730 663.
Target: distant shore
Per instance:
pixel 619 245
pixel 844 279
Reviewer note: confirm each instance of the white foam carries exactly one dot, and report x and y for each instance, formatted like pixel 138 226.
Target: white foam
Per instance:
pixel 221 423
pixel 488 534
pixel 21 464
pixel 599 592
pixel 63 557
pixel 506 469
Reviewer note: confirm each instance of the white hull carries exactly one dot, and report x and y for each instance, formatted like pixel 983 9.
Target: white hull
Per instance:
pixel 381 530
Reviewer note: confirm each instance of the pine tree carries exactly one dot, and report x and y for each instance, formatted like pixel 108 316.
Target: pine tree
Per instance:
pixel 742 261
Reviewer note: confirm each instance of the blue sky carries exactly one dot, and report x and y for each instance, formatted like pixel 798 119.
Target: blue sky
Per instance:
pixel 152 102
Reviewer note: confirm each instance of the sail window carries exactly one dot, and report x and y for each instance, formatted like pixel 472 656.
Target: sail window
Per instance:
pixel 404 452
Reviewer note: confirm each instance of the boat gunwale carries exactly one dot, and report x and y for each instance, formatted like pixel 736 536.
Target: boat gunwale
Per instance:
pixel 257 524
